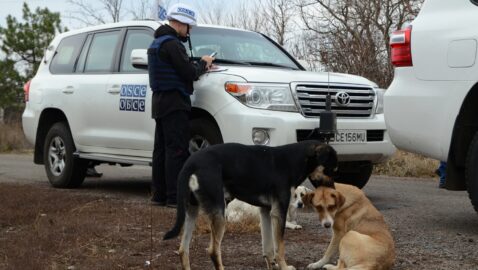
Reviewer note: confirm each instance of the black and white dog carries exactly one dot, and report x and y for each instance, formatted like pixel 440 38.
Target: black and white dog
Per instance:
pixel 237 210
pixel 259 175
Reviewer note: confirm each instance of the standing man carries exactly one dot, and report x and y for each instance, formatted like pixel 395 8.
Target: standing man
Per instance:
pixel 171 76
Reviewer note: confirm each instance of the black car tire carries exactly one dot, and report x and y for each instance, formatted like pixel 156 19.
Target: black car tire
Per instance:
pixel 355 173
pixel 62 168
pixel 204 133
pixel 471 172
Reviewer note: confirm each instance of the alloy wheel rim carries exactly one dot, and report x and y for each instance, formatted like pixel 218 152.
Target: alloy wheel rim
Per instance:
pixel 197 143
pixel 57 156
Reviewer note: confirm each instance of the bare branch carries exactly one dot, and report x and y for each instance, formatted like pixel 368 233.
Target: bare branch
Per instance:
pixel 103 12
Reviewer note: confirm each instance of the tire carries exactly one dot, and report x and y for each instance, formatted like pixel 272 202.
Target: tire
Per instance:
pixel 62 168
pixel 204 133
pixel 471 172
pixel 355 173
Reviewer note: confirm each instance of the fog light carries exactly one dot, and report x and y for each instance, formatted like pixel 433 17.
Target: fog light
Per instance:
pixel 260 136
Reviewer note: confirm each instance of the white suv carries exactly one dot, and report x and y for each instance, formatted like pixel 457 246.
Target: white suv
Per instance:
pixel 431 107
pixel 88 102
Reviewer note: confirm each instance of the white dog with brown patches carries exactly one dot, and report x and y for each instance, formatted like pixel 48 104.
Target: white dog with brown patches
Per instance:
pixel 361 237
pixel 238 210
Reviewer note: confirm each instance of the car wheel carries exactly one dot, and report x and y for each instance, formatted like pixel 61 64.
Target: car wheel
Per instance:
pixel 471 172
pixel 203 134
pixel 62 168
pixel 354 173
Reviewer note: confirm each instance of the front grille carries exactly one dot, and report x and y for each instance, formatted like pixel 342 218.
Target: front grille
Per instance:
pixel 311 98
pixel 373 135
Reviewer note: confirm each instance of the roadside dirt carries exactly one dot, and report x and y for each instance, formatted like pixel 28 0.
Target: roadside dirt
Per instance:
pixel 46 228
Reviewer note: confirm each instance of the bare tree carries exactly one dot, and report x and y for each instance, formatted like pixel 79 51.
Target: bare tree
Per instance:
pixel 103 11
pixel 212 12
pixel 278 16
pixel 143 9
pixel 248 16
pixel 352 36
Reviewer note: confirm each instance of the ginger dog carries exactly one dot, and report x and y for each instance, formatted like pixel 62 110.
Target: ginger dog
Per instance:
pixel 361 237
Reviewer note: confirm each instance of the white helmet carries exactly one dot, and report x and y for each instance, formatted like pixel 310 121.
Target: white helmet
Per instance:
pixel 182 13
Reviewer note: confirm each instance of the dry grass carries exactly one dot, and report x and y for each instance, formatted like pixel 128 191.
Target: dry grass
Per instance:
pixel 12 138
pixel 405 164
pixel 247 224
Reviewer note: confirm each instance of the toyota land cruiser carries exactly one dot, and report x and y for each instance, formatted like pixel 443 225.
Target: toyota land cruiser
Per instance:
pixel 87 102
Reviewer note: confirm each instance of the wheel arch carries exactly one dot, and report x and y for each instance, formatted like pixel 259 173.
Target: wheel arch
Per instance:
pixel 201 113
pixel 466 125
pixel 47 119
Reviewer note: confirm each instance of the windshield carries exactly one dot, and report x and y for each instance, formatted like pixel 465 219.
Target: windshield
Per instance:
pixel 238 47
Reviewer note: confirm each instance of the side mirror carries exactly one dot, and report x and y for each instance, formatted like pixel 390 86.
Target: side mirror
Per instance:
pixel 139 58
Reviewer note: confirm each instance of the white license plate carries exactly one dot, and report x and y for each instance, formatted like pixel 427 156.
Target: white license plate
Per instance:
pixel 350 136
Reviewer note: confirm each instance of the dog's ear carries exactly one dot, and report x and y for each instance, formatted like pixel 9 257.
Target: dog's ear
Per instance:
pixel 311 152
pixel 340 200
pixel 308 197
pixel 326 155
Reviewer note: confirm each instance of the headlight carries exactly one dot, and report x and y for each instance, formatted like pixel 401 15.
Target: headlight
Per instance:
pixel 276 97
pixel 379 92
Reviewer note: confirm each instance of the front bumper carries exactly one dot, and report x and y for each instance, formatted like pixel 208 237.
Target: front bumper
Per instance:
pixel 236 122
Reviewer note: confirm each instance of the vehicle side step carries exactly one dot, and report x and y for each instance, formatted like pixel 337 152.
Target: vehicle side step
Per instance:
pixel 115 159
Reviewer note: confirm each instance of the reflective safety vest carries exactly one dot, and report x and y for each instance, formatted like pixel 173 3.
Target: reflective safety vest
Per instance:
pixel 162 75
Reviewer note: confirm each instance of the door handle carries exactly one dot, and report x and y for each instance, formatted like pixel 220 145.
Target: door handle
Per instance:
pixel 69 89
pixel 114 90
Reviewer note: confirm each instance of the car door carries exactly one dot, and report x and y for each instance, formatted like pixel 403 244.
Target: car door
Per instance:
pixel 129 88
pixel 61 89
pixel 94 127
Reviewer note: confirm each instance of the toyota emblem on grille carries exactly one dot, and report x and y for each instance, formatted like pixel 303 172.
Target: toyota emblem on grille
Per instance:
pixel 342 98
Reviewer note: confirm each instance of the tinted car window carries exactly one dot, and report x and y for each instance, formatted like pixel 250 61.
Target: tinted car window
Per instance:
pixel 101 53
pixel 135 39
pixel 80 66
pixel 66 54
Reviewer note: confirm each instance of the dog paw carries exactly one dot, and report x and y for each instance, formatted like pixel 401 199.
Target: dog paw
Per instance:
pixel 292 226
pixel 316 265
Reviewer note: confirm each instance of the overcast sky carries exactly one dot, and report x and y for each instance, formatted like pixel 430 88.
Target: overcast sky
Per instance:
pixel 14 7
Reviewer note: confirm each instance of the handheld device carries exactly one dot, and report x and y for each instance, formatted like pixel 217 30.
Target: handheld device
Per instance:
pixel 213 54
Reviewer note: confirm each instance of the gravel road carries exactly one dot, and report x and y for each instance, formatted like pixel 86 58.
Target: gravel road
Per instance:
pixel 433 228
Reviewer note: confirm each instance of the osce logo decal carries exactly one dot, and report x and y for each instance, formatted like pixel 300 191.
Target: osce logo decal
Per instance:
pixel 129 90
pixel 133 98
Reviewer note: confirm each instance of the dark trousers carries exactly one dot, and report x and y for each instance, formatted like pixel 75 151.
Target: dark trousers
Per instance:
pixel 171 143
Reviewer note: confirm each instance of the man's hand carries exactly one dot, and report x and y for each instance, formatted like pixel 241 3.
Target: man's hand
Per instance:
pixel 208 59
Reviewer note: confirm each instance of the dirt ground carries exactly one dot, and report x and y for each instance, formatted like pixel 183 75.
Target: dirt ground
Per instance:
pixel 46 228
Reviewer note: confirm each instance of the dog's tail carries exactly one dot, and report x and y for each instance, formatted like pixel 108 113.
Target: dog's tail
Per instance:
pixel 185 180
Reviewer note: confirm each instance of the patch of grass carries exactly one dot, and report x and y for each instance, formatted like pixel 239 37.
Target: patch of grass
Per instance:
pixel 12 138
pixel 405 164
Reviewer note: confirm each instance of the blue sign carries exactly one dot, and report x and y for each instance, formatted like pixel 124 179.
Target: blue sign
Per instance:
pixel 161 13
pixel 134 97
pixel 130 90
pixel 132 105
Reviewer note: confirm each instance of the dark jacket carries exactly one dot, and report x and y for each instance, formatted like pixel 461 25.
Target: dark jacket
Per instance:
pixel 174 52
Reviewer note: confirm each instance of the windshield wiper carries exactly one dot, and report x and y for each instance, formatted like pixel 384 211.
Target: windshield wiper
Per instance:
pixel 227 61
pixel 269 64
